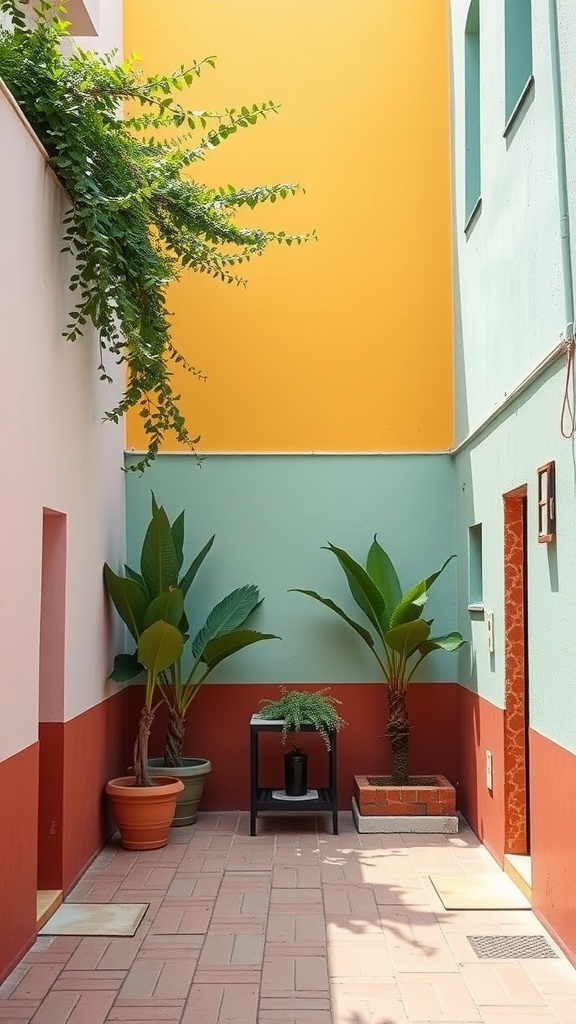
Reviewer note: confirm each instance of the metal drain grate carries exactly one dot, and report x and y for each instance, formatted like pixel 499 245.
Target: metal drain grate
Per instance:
pixel 512 947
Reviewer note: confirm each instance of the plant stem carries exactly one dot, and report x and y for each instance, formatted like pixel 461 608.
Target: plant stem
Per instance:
pixel 174 742
pixel 398 733
pixel 141 770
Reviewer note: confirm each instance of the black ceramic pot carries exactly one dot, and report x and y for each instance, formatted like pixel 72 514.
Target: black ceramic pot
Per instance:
pixel 296 773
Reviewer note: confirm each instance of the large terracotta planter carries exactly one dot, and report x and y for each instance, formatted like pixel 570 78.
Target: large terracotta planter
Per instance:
pixel 193 774
pixel 143 813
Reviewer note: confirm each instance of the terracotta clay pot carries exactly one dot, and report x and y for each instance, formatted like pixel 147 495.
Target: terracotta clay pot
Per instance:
pixel 143 813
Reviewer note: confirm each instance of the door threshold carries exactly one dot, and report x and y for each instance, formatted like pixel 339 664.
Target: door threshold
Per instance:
pixel 47 903
pixel 518 866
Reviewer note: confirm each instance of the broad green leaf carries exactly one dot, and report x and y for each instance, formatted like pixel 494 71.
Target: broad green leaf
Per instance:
pixel 363 589
pixel 126 668
pixel 414 600
pixel 158 561
pixel 184 625
pixel 226 616
pixel 448 642
pixel 222 647
pixel 159 647
pixel 178 538
pixel 133 575
pixel 168 606
pixel 188 577
pixel 381 570
pixel 407 638
pixel 128 598
pixel 364 633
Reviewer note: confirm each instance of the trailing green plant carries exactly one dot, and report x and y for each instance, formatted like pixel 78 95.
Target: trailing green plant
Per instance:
pixel 138 218
pixel 399 638
pixel 300 707
pixel 158 590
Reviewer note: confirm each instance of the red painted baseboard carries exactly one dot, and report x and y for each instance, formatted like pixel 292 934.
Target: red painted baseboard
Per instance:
pixel 553 838
pixel 65 772
pixel 19 789
pixel 481 728
pixel 218 730
pixel 552 809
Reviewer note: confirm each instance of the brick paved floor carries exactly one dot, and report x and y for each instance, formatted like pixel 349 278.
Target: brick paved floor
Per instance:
pixel 295 926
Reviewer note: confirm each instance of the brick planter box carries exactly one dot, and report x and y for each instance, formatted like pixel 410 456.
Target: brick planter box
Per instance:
pixel 416 800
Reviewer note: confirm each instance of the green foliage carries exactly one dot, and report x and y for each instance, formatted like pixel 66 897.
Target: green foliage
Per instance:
pixel 138 218
pixel 153 600
pixel 399 638
pixel 299 707
pixel 159 646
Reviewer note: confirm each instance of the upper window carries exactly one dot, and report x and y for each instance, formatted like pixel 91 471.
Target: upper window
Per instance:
pixel 518 50
pixel 475 586
pixel 472 107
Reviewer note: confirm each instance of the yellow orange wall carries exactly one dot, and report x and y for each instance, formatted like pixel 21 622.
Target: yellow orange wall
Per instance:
pixel 345 344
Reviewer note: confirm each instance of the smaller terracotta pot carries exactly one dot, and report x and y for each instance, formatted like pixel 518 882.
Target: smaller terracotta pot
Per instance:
pixel 143 813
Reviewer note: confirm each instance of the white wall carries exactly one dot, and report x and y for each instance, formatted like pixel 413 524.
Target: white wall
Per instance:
pixel 509 299
pixel 55 452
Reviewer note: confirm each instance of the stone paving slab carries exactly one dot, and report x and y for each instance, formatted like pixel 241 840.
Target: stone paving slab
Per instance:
pixel 293 926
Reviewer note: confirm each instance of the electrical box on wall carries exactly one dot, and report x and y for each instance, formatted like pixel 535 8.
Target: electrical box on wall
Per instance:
pixel 490 631
pixel 489 770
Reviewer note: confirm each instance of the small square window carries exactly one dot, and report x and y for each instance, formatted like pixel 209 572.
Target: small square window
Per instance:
pixel 546 503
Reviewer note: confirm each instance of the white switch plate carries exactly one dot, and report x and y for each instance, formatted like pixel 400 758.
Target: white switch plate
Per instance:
pixel 490 631
pixel 489 770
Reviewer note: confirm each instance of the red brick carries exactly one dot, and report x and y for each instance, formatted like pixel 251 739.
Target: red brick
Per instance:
pixel 22 1011
pixel 92 1008
pixel 397 808
pixel 37 981
pixel 56 1008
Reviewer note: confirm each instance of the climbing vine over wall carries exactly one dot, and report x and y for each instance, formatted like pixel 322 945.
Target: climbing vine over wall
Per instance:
pixel 138 216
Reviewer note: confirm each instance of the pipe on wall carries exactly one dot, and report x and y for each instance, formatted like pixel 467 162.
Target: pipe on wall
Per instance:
pixel 562 169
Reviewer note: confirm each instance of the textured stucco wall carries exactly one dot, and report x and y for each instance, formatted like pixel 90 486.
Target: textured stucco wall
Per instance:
pixel 56 453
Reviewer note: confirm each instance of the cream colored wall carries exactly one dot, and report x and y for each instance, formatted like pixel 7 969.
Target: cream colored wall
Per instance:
pixel 55 451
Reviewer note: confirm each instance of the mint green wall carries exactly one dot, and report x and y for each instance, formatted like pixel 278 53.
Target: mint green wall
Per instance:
pixel 510 309
pixel 271 514
pixel 504 458
pixel 507 280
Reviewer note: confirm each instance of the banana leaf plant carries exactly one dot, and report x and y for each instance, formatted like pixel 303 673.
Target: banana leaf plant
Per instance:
pixel 398 637
pixel 158 591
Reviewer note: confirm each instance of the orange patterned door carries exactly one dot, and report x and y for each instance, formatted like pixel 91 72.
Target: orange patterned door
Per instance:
pixel 516 749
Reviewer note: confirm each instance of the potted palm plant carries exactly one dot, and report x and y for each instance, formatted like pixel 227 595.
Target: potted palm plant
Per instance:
pixel 399 639
pixel 223 633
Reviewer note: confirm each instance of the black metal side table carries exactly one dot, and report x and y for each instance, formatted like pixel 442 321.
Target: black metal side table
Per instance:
pixel 261 799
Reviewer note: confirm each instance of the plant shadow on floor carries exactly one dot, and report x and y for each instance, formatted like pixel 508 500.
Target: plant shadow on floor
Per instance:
pixel 356 1018
pixel 395 916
